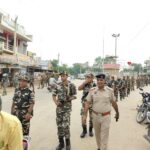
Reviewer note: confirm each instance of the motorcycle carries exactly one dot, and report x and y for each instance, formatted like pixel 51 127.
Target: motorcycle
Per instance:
pixel 144 108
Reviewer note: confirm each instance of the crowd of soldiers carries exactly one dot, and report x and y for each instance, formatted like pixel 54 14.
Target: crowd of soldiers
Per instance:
pixel 122 86
pixel 63 94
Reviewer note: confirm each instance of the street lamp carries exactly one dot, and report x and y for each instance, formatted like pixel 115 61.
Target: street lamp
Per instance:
pixel 115 36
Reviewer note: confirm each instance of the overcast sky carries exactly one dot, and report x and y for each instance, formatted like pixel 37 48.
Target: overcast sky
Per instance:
pixel 75 28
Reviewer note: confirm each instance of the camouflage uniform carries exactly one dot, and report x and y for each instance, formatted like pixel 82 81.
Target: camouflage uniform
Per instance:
pixel 128 81
pixel 15 81
pixel 120 84
pixel 138 82
pixel 86 89
pixel 114 85
pixel 31 82
pixel 23 98
pixel 132 83
pixel 124 88
pixel 63 111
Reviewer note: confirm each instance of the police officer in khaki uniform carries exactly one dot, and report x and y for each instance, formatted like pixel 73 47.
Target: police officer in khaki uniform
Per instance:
pixel 101 98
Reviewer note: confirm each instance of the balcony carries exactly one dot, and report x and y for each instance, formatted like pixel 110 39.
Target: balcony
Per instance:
pixel 9 25
pixel 7 48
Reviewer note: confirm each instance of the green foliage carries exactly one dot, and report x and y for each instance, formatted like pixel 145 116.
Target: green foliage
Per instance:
pixel 97 66
pixel 54 63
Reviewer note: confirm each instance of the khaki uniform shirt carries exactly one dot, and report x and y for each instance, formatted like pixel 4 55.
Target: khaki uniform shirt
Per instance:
pixel 10 132
pixel 101 99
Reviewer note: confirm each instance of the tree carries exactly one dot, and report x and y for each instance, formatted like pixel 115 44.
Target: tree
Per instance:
pixel 54 63
pixel 109 60
pixel 137 67
pixel 98 64
pixel 78 68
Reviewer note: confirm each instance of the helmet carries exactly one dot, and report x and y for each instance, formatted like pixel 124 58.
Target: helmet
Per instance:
pixel 24 78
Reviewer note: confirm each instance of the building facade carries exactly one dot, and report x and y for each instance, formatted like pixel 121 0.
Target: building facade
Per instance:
pixel 13 44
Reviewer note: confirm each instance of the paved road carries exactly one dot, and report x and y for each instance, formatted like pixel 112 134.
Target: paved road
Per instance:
pixel 124 135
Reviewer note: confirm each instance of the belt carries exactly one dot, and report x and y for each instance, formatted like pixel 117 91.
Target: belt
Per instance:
pixel 103 114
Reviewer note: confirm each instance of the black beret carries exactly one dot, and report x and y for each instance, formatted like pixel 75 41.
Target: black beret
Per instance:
pixel 101 76
pixel 63 73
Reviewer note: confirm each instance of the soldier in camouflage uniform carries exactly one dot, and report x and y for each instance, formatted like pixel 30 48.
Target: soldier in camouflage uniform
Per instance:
pixel 86 86
pixel 138 82
pixel 114 85
pixel 63 94
pixel 15 80
pixel 31 81
pixel 120 83
pixel 128 81
pixel 132 83
pixel 23 102
pixel 124 87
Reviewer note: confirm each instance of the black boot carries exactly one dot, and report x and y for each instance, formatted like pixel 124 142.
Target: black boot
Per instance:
pixel 61 144
pixel 68 145
pixel 84 131
pixel 90 131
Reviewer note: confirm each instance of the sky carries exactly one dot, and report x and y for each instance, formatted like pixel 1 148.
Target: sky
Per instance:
pixel 81 30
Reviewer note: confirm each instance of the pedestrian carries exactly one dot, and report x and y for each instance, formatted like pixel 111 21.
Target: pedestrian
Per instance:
pixel 85 87
pixel 63 94
pixel 15 80
pixel 10 131
pixel 101 98
pixel 128 85
pixel 23 102
pixel 39 80
pixel 5 82
pixel 31 81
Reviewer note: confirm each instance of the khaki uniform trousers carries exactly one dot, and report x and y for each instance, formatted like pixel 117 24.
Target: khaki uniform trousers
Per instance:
pixel 101 126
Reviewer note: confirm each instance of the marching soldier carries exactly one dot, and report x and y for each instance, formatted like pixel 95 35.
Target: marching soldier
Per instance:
pixel 138 82
pixel 23 102
pixel 86 86
pixel 114 85
pixel 132 83
pixel 120 88
pixel 124 87
pixel 63 94
pixel 15 80
pixel 128 81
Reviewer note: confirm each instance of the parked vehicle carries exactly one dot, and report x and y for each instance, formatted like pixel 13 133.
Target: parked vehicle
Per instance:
pixel 144 108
